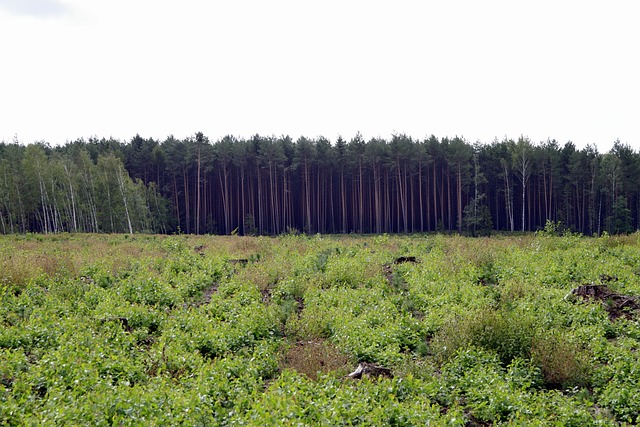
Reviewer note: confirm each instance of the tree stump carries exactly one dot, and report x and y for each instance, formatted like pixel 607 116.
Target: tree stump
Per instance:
pixel 370 370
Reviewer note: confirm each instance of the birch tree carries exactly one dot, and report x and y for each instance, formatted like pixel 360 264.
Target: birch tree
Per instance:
pixel 522 162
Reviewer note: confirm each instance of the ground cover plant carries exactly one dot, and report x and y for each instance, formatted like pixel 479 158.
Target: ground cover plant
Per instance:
pixel 115 330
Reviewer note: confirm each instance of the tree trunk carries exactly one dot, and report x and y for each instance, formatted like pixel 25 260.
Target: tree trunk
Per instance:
pixel 198 200
pixel 459 192
pixel 123 193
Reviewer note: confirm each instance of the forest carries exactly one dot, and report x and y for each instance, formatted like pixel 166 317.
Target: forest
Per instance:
pixel 267 185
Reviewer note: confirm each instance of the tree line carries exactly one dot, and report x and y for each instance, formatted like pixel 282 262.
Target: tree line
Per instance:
pixel 272 185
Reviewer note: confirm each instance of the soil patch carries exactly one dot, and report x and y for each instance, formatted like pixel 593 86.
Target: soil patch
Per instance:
pixel 388 268
pixel 238 262
pixel 208 293
pixel 403 259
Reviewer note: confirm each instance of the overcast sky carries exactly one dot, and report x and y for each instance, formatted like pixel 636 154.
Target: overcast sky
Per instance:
pixel 564 70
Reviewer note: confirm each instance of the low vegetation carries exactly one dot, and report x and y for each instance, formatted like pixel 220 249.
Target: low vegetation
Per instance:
pixel 120 330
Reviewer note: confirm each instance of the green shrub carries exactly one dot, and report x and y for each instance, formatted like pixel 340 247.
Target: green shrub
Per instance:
pixel 507 333
pixel 563 363
pixel 150 292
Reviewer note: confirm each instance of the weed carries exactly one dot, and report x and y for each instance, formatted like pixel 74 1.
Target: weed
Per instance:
pixel 508 333
pixel 316 357
pixel 563 363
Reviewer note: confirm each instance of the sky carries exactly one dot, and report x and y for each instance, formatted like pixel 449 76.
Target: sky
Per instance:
pixel 482 70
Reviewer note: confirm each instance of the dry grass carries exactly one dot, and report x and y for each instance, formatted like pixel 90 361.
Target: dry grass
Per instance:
pixel 25 258
pixel 20 264
pixel 314 358
pixel 245 246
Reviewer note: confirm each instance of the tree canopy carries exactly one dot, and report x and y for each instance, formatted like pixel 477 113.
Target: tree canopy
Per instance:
pixel 270 185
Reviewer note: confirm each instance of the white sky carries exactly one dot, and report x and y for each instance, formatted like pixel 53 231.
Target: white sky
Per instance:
pixel 567 69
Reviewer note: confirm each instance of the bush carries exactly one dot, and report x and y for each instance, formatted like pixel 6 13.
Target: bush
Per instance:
pixel 563 363
pixel 508 333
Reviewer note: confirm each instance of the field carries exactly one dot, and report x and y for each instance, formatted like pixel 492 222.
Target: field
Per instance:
pixel 119 330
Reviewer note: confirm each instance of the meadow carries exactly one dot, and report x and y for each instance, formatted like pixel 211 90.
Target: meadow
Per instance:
pixel 127 330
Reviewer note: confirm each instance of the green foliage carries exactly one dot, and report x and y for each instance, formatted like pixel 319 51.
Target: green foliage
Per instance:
pixel 168 330
pixel 620 221
pixel 617 381
pixel 477 218
pixel 564 364
pixel 552 228
pixel 269 185
pixel 507 333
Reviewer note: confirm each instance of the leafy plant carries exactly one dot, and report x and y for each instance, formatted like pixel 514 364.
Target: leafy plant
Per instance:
pixel 164 330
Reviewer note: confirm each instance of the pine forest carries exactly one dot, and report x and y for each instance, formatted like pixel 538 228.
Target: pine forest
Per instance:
pixel 268 185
